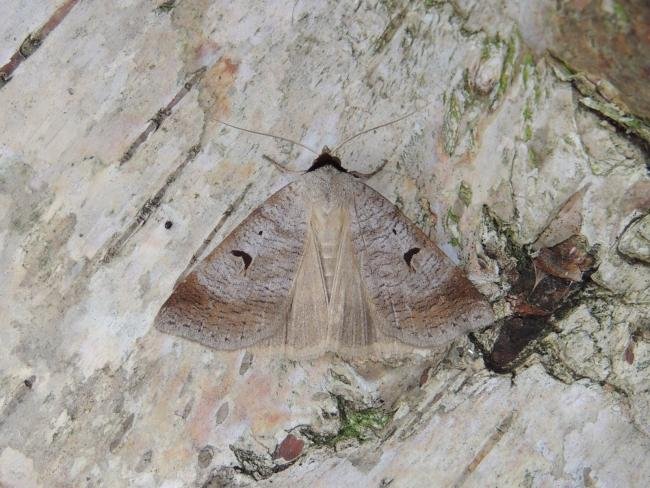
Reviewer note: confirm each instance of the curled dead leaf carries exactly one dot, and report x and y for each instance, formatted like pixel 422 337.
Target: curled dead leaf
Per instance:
pixel 566 222
pixel 566 260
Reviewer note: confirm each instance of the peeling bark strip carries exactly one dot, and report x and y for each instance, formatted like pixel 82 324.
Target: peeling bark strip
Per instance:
pixel 125 426
pixel 147 209
pixel 255 465
pixel 166 6
pixel 488 445
pixel 156 121
pixel 390 30
pixel 33 41
pixel 593 99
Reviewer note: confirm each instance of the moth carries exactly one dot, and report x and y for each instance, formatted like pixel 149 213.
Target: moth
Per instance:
pixel 325 264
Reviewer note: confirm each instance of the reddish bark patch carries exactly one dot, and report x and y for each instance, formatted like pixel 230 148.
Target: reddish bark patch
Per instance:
pixel 230 67
pixel 290 448
pixel 525 309
pixel 219 80
pixel 607 43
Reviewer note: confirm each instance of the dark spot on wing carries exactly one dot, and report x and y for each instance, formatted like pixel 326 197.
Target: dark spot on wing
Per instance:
pixel 408 256
pixel 245 257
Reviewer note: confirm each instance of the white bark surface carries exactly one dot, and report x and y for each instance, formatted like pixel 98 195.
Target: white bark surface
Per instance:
pixel 92 395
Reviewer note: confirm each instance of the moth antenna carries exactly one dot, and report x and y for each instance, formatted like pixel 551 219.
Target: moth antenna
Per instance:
pixel 281 167
pixel 373 128
pixel 270 135
pixel 365 176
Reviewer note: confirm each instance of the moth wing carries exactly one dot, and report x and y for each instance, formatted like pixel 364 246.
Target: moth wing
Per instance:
pixel 241 292
pixel 305 326
pixel 422 297
pixel 350 321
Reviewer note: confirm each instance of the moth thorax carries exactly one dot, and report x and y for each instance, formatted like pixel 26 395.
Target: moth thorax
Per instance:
pixel 329 226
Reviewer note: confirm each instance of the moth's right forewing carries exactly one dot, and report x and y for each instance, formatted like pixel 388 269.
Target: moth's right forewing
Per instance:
pixel 421 297
pixel 239 294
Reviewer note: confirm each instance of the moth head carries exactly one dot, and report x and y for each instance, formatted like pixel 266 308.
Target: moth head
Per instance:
pixel 326 159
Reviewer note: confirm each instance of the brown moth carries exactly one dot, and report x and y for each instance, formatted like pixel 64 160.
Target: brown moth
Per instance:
pixel 325 264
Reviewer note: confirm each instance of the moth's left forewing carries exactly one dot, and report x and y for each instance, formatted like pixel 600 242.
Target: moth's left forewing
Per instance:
pixel 239 295
pixel 421 297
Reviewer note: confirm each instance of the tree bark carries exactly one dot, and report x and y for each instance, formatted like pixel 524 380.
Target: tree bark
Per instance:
pixel 526 160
